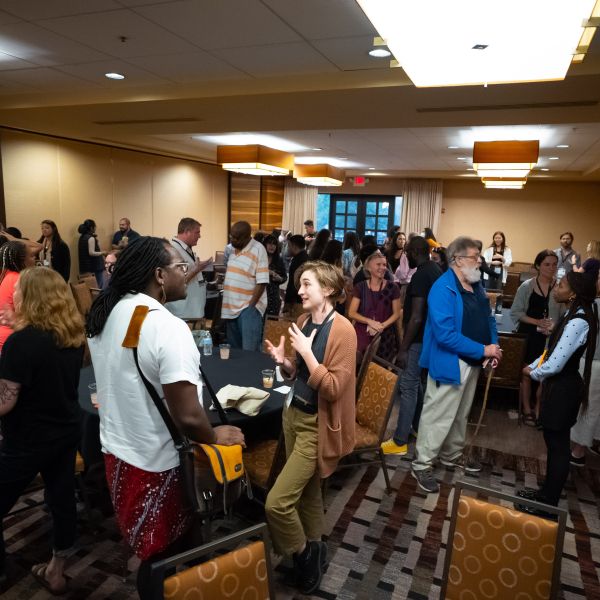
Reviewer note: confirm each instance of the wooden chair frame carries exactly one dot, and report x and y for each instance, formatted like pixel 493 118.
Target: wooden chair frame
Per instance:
pixel 157 574
pixel 560 513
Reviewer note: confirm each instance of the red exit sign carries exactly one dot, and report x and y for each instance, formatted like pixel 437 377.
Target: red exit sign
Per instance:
pixel 359 181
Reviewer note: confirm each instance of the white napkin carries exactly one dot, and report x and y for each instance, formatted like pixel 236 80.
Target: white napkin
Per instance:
pixel 248 400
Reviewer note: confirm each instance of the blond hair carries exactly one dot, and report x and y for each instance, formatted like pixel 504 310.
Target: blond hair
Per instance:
pixel 47 304
pixel 327 276
pixel 377 254
pixel 594 249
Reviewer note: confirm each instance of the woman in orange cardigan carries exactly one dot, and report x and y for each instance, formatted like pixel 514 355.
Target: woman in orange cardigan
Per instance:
pixel 318 419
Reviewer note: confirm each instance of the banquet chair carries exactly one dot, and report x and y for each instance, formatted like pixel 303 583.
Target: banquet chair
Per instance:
pixel 263 461
pixel 274 328
pixel 242 572
pixel 513 281
pixel 367 357
pixel 89 279
pixel 507 374
pixel 373 409
pixel 494 551
pixel 83 297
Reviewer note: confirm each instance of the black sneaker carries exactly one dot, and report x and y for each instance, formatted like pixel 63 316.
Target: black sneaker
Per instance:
pixel 577 461
pixel 427 482
pixel 308 567
pixel 537 512
pixel 528 493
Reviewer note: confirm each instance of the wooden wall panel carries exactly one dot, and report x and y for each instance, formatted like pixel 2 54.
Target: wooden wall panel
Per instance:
pixel 271 203
pixel 245 199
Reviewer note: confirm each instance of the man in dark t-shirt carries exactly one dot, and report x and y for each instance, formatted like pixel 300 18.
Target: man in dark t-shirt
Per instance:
pixel 415 315
pixel 297 248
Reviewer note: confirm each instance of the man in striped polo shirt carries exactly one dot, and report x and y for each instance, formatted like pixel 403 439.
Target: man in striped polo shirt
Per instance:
pixel 244 290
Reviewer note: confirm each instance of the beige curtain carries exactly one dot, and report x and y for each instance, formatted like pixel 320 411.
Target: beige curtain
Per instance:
pixel 421 205
pixel 299 204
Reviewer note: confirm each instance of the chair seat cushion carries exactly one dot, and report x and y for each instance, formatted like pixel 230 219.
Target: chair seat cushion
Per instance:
pixel 258 460
pixel 364 437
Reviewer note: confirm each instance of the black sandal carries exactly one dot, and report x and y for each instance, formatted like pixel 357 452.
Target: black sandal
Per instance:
pixel 529 419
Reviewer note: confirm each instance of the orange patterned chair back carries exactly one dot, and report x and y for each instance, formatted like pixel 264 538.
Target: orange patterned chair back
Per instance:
pixel 236 575
pixel 243 571
pixel 375 398
pixel 263 461
pixel 274 329
pixel 498 553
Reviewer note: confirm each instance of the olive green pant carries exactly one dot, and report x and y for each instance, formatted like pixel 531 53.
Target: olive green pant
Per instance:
pixel 294 505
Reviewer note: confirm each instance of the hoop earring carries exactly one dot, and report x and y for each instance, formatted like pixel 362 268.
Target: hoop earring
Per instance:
pixel 163 298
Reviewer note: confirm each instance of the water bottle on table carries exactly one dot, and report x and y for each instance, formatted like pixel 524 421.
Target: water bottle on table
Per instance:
pixel 207 345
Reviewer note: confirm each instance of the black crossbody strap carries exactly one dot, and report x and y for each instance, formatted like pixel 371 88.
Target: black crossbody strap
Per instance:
pixel 178 439
pixel 215 400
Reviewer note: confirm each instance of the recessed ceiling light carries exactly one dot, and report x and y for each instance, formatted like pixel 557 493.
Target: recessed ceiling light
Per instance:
pixel 461 158
pixel 470 169
pixel 371 168
pixel 316 149
pixel 553 158
pixel 114 75
pixel 544 169
pixel 343 158
pixel 379 53
pixel 562 146
pixel 452 147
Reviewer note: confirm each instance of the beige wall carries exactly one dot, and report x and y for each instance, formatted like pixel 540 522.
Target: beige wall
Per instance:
pixel 532 219
pixel 68 182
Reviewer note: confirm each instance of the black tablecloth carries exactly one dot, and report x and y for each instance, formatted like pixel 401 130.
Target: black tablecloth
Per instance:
pixel 242 368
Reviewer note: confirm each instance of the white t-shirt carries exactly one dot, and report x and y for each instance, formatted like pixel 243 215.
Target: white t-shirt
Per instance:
pixel 131 427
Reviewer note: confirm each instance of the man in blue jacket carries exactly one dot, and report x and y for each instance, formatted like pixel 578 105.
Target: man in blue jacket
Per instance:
pixel 459 334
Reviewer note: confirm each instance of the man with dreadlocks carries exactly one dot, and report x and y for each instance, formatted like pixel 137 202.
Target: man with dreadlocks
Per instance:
pixel 14 257
pixel 142 464
pixel 563 388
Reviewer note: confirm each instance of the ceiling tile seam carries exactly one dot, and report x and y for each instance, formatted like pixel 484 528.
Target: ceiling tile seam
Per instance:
pixel 17 58
pixel 187 41
pixel 78 14
pixel 302 37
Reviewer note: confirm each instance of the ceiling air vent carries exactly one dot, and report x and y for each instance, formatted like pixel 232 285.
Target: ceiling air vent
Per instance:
pixel 575 104
pixel 149 121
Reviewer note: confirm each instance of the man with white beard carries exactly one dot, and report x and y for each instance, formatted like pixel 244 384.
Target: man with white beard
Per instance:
pixel 460 334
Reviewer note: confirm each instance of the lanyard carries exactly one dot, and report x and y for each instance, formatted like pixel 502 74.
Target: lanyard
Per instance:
pixel 319 327
pixel 546 297
pixel 187 250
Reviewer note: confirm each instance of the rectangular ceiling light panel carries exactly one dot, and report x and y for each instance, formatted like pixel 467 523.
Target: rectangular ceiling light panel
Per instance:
pixel 435 40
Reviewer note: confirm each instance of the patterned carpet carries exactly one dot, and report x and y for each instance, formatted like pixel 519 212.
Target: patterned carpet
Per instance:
pixel 381 546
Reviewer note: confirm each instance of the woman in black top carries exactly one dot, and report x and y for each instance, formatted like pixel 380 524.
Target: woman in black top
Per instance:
pixel 90 256
pixel 564 390
pixel 55 253
pixel 318 244
pixel 39 409
pixel 277 275
pixel 396 250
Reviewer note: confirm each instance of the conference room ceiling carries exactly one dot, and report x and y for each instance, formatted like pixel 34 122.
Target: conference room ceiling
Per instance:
pixel 296 69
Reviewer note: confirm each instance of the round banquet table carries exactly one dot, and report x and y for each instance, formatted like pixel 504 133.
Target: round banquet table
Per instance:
pixel 243 368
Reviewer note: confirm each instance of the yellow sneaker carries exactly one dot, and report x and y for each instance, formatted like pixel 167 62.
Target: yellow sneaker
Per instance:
pixel 390 447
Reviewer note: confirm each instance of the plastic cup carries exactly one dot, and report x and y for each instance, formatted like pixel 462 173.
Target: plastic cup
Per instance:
pixel 268 375
pixel 93 395
pixel 224 351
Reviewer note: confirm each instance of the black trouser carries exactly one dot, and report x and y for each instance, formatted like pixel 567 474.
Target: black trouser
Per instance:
pixel 558 444
pixel 56 464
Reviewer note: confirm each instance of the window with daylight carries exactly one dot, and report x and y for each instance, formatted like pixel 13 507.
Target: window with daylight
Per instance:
pixel 367 215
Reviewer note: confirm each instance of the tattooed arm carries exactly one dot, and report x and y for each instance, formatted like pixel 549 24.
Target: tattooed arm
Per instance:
pixel 9 392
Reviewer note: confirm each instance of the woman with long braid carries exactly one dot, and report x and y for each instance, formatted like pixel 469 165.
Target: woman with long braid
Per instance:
pixel 14 257
pixel 142 464
pixel 564 391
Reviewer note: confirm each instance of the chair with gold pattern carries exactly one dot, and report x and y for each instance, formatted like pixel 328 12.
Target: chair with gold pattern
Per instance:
pixel 83 297
pixel 373 408
pixel 497 552
pixel 263 462
pixel 241 573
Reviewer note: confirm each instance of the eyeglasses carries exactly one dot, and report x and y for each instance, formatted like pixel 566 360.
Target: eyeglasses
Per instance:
pixel 182 265
pixel 475 257
pixel 109 266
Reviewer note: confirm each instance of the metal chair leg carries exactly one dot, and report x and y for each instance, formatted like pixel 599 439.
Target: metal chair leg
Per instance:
pixel 388 485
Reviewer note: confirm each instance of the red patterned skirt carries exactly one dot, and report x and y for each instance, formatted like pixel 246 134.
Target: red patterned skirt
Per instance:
pixel 149 506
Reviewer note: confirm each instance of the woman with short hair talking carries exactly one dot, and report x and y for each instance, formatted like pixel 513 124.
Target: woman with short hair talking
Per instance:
pixel 318 419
